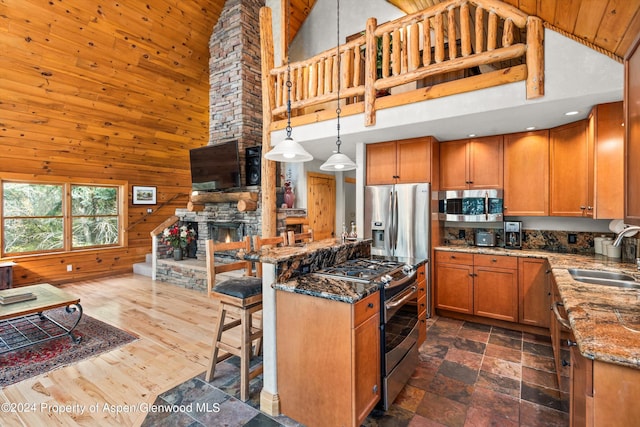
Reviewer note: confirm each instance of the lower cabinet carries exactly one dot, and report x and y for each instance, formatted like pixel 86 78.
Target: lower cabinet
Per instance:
pixel 534 275
pixel 328 358
pixel 483 285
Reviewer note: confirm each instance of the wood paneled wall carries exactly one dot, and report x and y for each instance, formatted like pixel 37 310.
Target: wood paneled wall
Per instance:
pixel 108 90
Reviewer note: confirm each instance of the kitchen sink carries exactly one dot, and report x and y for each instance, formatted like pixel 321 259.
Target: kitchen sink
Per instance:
pixel 607 278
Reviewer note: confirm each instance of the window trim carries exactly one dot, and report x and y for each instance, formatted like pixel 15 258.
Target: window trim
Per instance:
pixel 67 183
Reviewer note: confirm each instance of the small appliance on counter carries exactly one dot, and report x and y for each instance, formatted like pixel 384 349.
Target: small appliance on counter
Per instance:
pixel 513 234
pixel 485 238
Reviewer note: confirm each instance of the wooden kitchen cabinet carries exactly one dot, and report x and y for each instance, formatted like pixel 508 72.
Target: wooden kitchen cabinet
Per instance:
pixel 526 173
pixel 422 304
pixel 632 133
pixel 534 292
pixel 454 281
pixel 558 326
pixel 571 171
pixel 580 388
pixel 483 285
pixel 495 287
pixel 398 162
pixel 328 358
pixel 472 163
pixel 606 128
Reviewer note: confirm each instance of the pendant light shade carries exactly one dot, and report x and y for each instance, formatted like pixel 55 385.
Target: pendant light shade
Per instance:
pixel 288 151
pixel 338 162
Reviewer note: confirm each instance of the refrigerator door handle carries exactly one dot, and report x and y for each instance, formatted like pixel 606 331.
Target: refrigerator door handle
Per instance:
pixel 395 221
pixel 390 237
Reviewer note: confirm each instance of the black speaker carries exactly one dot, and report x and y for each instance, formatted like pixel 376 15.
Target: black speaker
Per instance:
pixel 253 169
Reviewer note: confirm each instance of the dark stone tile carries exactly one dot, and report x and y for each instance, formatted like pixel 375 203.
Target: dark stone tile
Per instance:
pixel 504 353
pixel 541 363
pixel 479 336
pixel 505 341
pixel 506 332
pixel 466 358
pixel 504 385
pixel 409 397
pixel 551 398
pixel 231 413
pixel 541 339
pixel 425 372
pixel 261 420
pixel 502 405
pixel 502 367
pixel 537 349
pixel 469 345
pixel 485 417
pixel 476 327
pixel 394 417
pixel 533 415
pixel 420 421
pixel 434 350
pixel 286 421
pixel 442 410
pixel 538 377
pixel 191 391
pixel 458 372
pixel 451 389
pixel 168 419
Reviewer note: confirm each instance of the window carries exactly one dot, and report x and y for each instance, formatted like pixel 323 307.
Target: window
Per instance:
pixel 57 217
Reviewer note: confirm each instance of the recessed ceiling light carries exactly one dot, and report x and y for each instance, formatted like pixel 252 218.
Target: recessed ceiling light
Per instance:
pixel 531 128
pixel 571 113
pixel 471 135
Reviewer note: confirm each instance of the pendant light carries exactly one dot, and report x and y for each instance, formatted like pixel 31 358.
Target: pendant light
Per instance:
pixel 338 161
pixel 288 150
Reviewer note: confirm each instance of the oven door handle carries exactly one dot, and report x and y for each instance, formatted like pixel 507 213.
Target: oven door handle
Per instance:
pixel 402 281
pixel 407 296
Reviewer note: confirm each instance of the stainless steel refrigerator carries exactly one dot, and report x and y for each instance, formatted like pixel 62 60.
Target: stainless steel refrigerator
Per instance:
pixel 397 218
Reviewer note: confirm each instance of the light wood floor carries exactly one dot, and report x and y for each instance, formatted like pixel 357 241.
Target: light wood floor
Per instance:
pixel 174 326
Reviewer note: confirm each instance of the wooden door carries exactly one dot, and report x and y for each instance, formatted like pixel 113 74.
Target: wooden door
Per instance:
pixel 381 163
pixel 453 165
pixel 609 148
pixel 526 174
pixel 454 287
pixel 414 160
pixel 486 162
pixel 534 292
pixel 569 171
pixel 321 205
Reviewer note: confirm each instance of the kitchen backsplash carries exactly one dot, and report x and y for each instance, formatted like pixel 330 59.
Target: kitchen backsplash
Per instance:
pixel 546 240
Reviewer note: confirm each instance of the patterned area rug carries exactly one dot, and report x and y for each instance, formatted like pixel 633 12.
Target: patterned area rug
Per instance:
pixel 96 337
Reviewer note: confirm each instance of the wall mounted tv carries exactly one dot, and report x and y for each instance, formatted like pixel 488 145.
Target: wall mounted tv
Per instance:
pixel 215 167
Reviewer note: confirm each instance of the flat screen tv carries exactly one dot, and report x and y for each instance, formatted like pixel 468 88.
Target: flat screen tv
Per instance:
pixel 215 167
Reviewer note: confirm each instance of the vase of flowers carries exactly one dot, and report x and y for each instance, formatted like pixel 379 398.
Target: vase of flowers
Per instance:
pixel 178 237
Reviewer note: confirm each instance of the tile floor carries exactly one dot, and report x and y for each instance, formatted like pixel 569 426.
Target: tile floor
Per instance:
pixel 469 375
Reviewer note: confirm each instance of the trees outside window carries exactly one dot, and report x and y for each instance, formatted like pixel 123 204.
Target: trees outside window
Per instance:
pixel 55 217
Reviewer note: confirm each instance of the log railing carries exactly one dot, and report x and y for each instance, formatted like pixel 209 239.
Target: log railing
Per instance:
pixel 461 35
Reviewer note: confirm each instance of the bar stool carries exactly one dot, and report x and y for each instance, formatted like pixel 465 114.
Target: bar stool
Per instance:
pixel 241 297
pixel 293 238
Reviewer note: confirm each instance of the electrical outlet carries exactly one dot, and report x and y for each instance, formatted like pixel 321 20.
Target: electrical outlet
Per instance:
pixel 573 238
pixel 461 234
pixel 149 210
pixel 69 267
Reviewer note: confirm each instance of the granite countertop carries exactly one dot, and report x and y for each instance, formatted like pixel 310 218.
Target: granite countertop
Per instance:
pixel 605 320
pixel 338 289
pixel 275 255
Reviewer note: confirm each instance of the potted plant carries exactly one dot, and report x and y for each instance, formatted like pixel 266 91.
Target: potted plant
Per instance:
pixel 178 237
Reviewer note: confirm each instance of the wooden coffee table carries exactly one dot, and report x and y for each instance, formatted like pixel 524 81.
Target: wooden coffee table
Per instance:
pixel 25 323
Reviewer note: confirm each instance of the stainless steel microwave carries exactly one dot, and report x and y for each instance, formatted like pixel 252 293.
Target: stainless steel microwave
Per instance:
pixel 471 205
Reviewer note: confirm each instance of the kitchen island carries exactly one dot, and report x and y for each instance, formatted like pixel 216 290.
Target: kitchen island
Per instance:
pixel 605 328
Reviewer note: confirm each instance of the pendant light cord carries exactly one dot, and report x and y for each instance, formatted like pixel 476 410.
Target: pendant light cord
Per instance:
pixel 289 84
pixel 338 111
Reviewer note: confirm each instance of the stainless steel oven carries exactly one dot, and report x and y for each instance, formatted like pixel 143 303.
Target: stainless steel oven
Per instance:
pixel 398 318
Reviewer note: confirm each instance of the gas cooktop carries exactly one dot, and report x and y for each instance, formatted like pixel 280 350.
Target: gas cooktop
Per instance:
pixel 361 268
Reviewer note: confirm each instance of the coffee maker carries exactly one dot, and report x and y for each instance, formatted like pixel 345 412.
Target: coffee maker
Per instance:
pixel 513 234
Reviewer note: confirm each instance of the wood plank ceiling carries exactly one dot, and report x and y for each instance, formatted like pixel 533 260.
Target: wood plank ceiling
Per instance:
pixel 611 25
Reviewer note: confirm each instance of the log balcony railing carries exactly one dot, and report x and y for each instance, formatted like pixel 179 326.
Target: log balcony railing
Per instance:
pixel 482 43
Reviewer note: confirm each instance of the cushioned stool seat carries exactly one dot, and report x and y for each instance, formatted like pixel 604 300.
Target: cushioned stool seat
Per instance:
pixel 240 297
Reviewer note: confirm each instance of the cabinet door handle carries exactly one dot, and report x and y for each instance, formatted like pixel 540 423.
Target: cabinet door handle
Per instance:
pixel 375 388
pixel 565 363
pixel 452 257
pixel 562 321
pixel 494 260
pixel 571 343
pixel 370 305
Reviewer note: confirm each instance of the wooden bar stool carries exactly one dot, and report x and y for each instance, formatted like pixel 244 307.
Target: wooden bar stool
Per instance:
pixel 293 238
pixel 240 297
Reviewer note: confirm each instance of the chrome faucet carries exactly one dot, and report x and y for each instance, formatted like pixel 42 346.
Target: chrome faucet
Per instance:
pixel 623 232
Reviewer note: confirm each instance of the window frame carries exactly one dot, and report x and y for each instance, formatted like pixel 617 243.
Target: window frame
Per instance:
pixel 67 217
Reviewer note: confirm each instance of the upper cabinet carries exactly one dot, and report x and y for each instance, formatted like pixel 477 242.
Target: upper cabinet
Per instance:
pixel 632 133
pixel 606 127
pixel 472 163
pixel 398 162
pixel 526 174
pixel 571 189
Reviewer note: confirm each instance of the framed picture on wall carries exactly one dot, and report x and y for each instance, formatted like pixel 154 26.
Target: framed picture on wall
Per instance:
pixel 144 195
